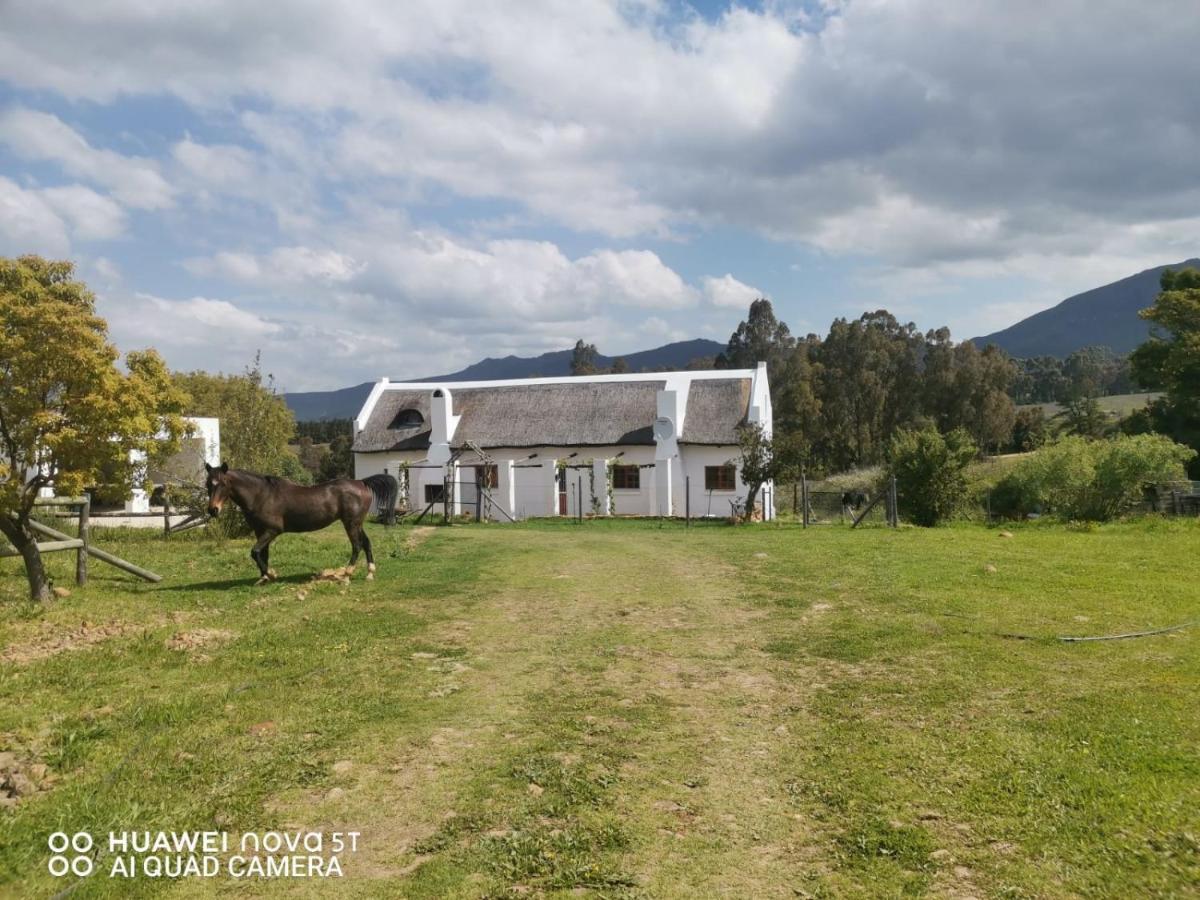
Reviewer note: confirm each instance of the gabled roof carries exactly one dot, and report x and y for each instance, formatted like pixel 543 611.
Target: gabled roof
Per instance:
pixel 594 411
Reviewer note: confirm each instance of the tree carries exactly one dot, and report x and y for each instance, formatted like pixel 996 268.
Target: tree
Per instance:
pixel 760 338
pixel 339 461
pixel 968 388
pixel 869 386
pixel 322 431
pixel 1030 429
pixel 1170 360
pixel 67 413
pixel 1084 417
pixel 585 359
pixel 797 408
pixel 256 424
pixel 930 468
pixel 310 455
pixel 756 461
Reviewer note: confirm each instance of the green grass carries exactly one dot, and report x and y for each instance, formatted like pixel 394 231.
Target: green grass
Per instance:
pixel 1116 405
pixel 630 709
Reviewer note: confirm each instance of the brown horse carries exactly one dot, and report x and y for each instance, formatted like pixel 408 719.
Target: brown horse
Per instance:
pixel 274 505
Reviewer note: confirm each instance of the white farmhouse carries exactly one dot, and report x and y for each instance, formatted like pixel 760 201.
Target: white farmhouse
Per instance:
pixel 618 444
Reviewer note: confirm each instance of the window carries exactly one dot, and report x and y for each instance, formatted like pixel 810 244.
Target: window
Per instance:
pixel 408 418
pixel 433 492
pixel 720 478
pixel 626 478
pixel 487 476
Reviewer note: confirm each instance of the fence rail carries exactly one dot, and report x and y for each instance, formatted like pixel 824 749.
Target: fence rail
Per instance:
pixel 81 543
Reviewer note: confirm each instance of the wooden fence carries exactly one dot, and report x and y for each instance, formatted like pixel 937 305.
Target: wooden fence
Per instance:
pixel 81 543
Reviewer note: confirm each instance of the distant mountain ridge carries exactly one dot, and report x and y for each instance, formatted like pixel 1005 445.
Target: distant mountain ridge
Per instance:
pixel 309 406
pixel 1104 316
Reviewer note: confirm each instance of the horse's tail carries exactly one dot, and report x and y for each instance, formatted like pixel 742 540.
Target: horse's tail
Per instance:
pixel 386 489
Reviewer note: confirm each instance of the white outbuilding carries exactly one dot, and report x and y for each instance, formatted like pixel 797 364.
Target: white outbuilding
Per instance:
pixel 657 444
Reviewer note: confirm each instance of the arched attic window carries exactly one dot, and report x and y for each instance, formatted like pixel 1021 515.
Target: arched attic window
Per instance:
pixel 408 418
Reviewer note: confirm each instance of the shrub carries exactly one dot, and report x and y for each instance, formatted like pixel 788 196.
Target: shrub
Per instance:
pixel 930 471
pixel 1030 430
pixel 1075 478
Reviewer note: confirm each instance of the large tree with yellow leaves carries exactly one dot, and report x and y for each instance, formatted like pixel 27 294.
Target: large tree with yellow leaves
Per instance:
pixel 68 414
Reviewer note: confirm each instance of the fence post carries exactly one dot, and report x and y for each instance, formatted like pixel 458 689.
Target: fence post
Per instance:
pixel 446 499
pixel 81 555
pixel 687 501
pixel 479 498
pixel 166 513
pixel 895 504
pixel 804 496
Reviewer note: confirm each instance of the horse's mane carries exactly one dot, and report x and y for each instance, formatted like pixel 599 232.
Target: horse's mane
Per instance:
pixel 272 480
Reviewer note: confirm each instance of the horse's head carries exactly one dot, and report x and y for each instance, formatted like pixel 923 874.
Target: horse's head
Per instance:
pixel 217 485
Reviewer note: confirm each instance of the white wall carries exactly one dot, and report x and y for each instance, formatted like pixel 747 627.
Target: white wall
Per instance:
pixel 536 496
pixel 703 503
pixel 535 492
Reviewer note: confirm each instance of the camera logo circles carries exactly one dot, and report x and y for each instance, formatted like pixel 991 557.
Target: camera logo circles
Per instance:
pixel 69 854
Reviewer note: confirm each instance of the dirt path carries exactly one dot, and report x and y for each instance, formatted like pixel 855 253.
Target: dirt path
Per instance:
pixel 576 697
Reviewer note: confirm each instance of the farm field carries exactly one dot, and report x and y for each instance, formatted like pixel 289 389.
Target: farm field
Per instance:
pixel 628 709
pixel 1116 405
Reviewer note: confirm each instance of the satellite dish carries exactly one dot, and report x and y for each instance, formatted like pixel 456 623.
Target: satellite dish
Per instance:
pixel 664 429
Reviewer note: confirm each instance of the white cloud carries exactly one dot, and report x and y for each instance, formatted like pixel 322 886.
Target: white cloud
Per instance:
pixel 92 216
pixel 135 181
pixel 199 318
pixel 44 220
pixel 106 269
pixel 282 266
pixel 28 223
pixel 945 144
pixel 727 291
pixel 436 275
pixel 919 132
pixel 220 166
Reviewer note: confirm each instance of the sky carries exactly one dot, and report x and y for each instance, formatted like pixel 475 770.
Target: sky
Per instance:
pixel 371 188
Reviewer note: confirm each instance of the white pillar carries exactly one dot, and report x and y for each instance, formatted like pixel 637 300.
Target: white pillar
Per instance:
pixel 600 485
pixel 550 484
pixel 662 487
pixel 679 482
pixel 506 473
pixel 456 490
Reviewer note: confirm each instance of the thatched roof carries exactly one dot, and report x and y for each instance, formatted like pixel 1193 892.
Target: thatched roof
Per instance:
pixel 566 414
pixel 379 433
pixel 715 409
pixel 579 413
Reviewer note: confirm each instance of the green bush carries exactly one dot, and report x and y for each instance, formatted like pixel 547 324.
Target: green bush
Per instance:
pixel 1084 480
pixel 930 471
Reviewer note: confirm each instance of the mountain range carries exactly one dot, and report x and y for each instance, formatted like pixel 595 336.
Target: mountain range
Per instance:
pixel 345 403
pixel 1104 316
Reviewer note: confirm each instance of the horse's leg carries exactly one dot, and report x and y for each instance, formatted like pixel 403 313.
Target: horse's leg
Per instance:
pixel 354 532
pixel 366 545
pixel 260 553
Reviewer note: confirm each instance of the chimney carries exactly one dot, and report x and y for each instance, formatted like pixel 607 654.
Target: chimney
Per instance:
pixel 443 422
